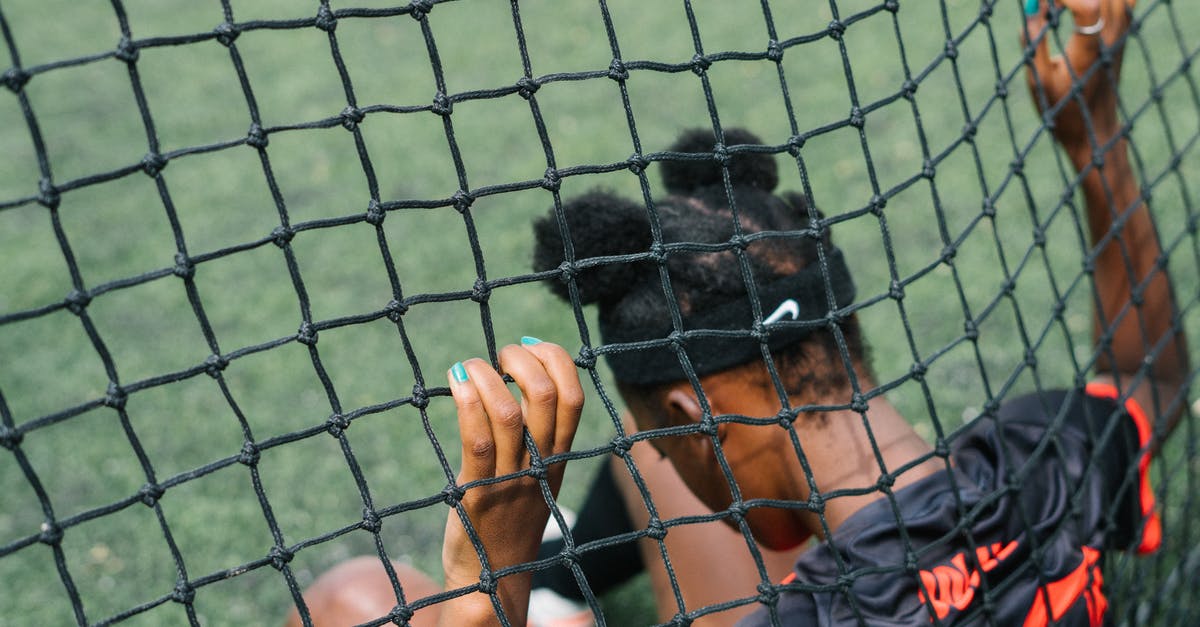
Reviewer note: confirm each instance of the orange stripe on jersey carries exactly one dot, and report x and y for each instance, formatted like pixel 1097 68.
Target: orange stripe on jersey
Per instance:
pixel 953 585
pixel 1085 581
pixel 1152 530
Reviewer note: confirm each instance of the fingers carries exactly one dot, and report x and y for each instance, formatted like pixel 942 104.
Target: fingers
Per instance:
pixel 492 423
pixel 539 394
pixel 503 413
pixel 1042 73
pixel 561 369
pixel 475 431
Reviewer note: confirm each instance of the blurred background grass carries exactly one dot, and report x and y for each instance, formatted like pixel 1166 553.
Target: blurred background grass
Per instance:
pixel 119 229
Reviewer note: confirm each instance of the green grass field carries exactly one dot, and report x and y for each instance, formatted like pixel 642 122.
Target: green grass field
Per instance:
pixel 117 229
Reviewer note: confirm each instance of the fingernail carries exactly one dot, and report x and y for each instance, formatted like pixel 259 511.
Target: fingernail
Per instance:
pixel 1031 6
pixel 530 341
pixel 458 372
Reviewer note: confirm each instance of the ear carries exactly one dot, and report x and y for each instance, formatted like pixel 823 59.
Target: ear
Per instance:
pixel 682 406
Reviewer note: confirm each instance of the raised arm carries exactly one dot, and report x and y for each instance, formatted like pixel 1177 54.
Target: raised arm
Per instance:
pixel 508 517
pixel 1135 322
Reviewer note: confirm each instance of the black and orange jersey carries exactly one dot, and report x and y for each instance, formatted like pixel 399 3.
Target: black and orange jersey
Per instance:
pixel 1011 534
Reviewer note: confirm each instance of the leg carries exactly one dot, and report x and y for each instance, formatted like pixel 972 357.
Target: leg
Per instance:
pixel 358 590
pixel 711 561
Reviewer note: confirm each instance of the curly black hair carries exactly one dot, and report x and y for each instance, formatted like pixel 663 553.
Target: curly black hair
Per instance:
pixel 697 211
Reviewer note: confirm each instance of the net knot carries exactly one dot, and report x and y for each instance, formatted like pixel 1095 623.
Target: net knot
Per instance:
pixel 527 87
pixel 395 310
pixel 279 557
pixel 1000 89
pixel 795 143
pixel 214 364
pixel 617 70
pixel 249 455
pixel 621 445
pixel 857 118
pixel 326 20
pixel 371 521
pixel 1039 237
pixel 971 330
pixel 737 511
pixel 774 51
pixel 537 470
pixel 891 6
pixel 637 163
pixel 896 290
pixel 948 254
pixel 10 438
pixel 767 594
pixel 877 204
pixel 989 208
pixel 708 426
pixel 153 163
pixel 375 213
pixel 786 418
pixel 568 556
pixel 307 335
pixel 816 503
pixel 452 494
pixel 77 301
pixel 15 78
pixel 184 268
pixel 400 615
pixel 845 581
pixel 51 533
pixel 480 292
pixel 462 200
pixel 226 33
pixel 928 170
pixel 858 403
pixel 951 51
pixel 885 482
pixel 183 593
pixel 337 424
pixel 700 64
pixel 941 448
pixel 115 397
pixel 256 137
pixel 281 235
pixel 551 181
pixel 1031 359
pixel 918 370
pixel 442 105
pixel 150 494
pixel 420 397
pixel 351 116
pixel 909 89
pixel 836 29
pixel 586 358
pixel 48 195
pixel 658 252
pixel 680 620
pixel 127 51
pixel 968 132
pixel 418 9
pixel 656 530
pixel 487 582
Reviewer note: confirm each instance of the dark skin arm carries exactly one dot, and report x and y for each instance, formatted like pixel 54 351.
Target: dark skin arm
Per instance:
pixel 509 516
pixel 1122 234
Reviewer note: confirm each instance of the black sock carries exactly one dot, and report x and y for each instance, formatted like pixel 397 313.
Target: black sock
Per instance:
pixel 603 515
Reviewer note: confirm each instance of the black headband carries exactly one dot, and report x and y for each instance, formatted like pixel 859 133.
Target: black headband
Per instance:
pixel 722 337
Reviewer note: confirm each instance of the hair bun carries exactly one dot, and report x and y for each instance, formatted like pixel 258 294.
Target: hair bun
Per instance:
pixel 745 168
pixel 601 224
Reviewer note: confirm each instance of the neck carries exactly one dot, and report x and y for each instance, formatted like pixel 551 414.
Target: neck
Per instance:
pixel 841 456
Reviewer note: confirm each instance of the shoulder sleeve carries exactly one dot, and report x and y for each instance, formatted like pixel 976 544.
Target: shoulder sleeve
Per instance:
pixel 1137 521
pixel 1087 452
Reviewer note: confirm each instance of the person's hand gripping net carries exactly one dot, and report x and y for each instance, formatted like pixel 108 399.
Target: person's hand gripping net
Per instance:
pixel 1078 76
pixel 508 516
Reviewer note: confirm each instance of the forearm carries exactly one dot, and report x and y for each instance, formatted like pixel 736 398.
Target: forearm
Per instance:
pixel 476 609
pixel 1136 309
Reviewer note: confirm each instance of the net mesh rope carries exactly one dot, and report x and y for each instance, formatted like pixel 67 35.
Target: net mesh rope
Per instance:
pixel 1143 590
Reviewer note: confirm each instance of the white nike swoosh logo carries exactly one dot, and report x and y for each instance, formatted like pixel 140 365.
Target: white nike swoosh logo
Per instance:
pixel 789 306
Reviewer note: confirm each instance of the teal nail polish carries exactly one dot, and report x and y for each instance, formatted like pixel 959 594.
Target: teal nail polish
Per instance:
pixel 1031 6
pixel 530 341
pixel 458 372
